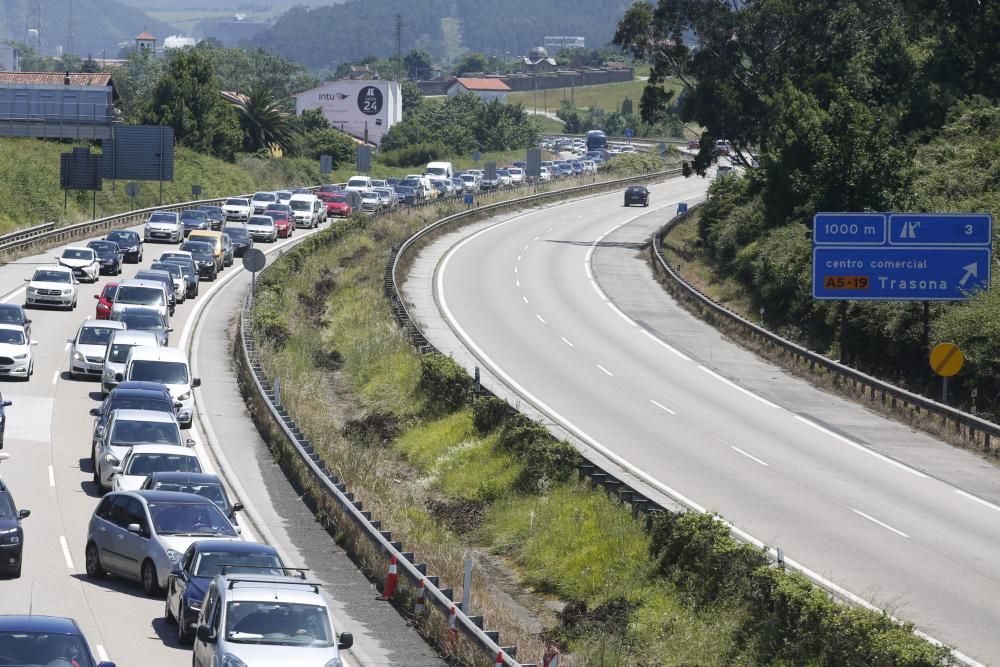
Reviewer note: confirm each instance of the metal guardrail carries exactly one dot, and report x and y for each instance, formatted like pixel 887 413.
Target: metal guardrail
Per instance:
pixel 30 232
pixel 876 390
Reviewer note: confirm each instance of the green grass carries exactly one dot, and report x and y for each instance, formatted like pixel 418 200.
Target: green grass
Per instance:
pixel 549 125
pixel 606 96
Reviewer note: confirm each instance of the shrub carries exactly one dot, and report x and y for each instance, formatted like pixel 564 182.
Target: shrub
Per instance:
pixel 488 413
pixel 415 155
pixel 443 383
pixel 545 459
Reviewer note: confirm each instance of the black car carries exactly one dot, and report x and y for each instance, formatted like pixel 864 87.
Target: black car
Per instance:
pixel 109 255
pixel 11 534
pixel 3 418
pixel 407 195
pixel 636 194
pixel 168 283
pixel 130 242
pixel 45 640
pixel 188 268
pixel 216 216
pixel 201 484
pixel 13 313
pixel 203 254
pixel 240 238
pixel 195 219
pixel 188 582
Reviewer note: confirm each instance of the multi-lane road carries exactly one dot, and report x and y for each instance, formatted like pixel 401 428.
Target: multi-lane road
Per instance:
pixel 559 307
pixel 48 438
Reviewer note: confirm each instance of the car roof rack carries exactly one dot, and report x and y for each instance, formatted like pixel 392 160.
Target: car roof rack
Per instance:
pixel 273 580
pixel 299 572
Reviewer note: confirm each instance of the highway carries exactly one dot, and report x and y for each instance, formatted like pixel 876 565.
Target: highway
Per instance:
pixel 48 437
pixel 559 308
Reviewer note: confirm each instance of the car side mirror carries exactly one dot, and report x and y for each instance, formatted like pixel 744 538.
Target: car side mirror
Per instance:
pixel 177 570
pixel 27 321
pixel 169 329
pixel 97 296
pixel 346 641
pixel 196 382
pixel 24 514
pixel 119 377
pixel 34 342
pixel 204 634
pixel 134 528
pixel 190 442
pixel 237 507
pixel 7 403
pixel 27 280
pixel 178 406
pixel 106 663
pixel 95 412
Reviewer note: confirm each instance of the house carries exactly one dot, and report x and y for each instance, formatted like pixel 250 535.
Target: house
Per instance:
pixel 486 89
pixel 56 106
pixel 145 42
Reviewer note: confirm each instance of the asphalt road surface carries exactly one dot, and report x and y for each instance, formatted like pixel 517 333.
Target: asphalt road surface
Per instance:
pixel 48 437
pixel 558 305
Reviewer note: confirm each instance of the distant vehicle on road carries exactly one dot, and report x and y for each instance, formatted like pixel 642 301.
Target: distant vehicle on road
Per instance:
pixel 596 140
pixel 83 261
pixel 237 208
pixel 195 219
pixel 130 242
pixel 88 346
pixel 16 357
pixel 59 639
pixel 164 226
pixel 216 216
pixel 51 286
pixel 636 194
pixel 109 256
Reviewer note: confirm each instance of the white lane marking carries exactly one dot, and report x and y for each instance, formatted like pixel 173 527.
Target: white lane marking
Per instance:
pixel 860 447
pixel 517 283
pixel 541 319
pixel 662 343
pixel 662 407
pixel 525 299
pixel 590 274
pixel 52 476
pixel 103 654
pixel 749 456
pixel 515 269
pixel 622 315
pixel 984 503
pixel 537 237
pixel 605 370
pixel 68 345
pixel 519 258
pixel 737 387
pixel 65 550
pixel 55 376
pixel 884 525
pixel 526 247
pixel 566 341
pixel 10 297
pixel 598 290
pixel 549 230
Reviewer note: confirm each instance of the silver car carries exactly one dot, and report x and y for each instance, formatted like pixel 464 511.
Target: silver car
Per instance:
pixel 164 226
pixel 86 357
pixel 127 427
pixel 141 535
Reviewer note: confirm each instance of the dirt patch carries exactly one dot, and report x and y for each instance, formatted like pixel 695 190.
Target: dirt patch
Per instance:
pixel 378 429
pixel 460 516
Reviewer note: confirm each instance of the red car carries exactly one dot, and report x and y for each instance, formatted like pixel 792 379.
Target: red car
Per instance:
pixel 282 222
pixel 337 205
pixel 104 300
pixel 326 191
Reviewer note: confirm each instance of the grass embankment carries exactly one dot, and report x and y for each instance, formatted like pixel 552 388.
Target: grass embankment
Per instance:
pixel 605 96
pixel 450 478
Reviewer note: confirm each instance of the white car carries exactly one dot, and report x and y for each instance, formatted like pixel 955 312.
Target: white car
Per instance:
pixel 143 460
pixel 358 184
pixel 168 366
pixel 83 261
pixel 307 209
pixel 260 200
pixel 164 226
pixel 51 286
pixel 262 228
pixel 88 346
pixel 16 359
pixel 544 174
pixel 516 175
pixel 237 208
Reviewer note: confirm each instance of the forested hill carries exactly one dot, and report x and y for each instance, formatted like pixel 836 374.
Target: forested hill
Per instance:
pixel 326 35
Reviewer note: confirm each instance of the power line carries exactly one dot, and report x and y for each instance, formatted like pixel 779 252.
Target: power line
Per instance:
pixel 69 30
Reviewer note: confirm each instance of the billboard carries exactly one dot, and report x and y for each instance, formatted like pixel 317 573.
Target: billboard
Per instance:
pixel 363 109
pixel 80 170
pixel 140 153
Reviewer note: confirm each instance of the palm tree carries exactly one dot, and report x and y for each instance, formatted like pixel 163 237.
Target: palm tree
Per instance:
pixel 265 121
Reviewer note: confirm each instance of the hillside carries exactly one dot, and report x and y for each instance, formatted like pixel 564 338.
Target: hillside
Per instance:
pixel 364 27
pixel 98 25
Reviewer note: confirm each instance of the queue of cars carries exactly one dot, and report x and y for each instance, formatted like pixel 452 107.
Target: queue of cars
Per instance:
pixel 165 520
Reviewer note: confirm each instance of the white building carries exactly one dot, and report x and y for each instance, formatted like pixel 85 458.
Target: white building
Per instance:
pixel 486 89
pixel 363 109
pixel 554 43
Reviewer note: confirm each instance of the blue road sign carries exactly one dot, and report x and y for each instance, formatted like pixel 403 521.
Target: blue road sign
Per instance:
pixel 899 274
pixel 901 256
pixel 468 199
pixel 951 229
pixel 849 229
pixel 629 132
pixel 682 207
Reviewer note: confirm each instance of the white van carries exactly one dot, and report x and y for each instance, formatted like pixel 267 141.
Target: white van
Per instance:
pixel 168 366
pixel 308 210
pixel 440 170
pixel 359 184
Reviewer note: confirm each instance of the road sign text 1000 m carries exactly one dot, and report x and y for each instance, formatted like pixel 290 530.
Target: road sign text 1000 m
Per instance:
pixel 901 256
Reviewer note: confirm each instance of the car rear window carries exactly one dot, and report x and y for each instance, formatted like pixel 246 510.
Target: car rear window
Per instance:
pixel 164 372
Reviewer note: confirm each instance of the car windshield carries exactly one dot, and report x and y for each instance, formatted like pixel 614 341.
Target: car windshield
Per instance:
pixel 468 178
pixel 211 210
pixel 43 648
pixel 172 269
pixel 139 295
pixel 103 246
pixel 265 196
pixel 164 372
pixel 171 518
pixel 127 433
pixel 261 221
pixel 95 335
pixel 163 217
pixel 72 253
pixel 369 195
pixel 209 563
pixel 197 247
pixel 142 320
pixel 184 265
pixel 119 353
pixel 284 194
pixel 109 292
pixel 11 313
pixel 211 491
pixel 139 403
pixel 124 237
pixel 277 215
pixel 194 215
pixel 6 507
pixel 281 623
pixel 357 183
pixel 43 276
pixel 236 202
pixel 300 205
pixel 12 337
pixel 236 233
pixel 148 463
pixel 340 199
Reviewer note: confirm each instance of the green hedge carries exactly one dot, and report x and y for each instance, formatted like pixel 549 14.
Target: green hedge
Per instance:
pixel 444 383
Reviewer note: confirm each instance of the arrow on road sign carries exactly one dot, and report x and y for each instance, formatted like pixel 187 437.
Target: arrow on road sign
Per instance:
pixel 971 271
pixel 910 230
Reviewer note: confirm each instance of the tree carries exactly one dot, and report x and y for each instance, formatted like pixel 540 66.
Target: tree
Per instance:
pixel 134 82
pixel 186 97
pixel 411 95
pixel 471 63
pixel 265 121
pixel 90 66
pixel 417 64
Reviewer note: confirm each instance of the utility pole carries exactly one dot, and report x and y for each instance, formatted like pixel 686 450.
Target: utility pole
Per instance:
pixel 399 45
pixel 70 47
pixel 33 26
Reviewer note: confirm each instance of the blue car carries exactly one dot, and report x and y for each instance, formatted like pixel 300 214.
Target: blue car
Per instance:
pixel 195 219
pixel 203 560
pixel 45 640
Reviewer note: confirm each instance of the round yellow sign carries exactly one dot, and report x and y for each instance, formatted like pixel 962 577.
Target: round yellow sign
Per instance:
pixel 946 359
